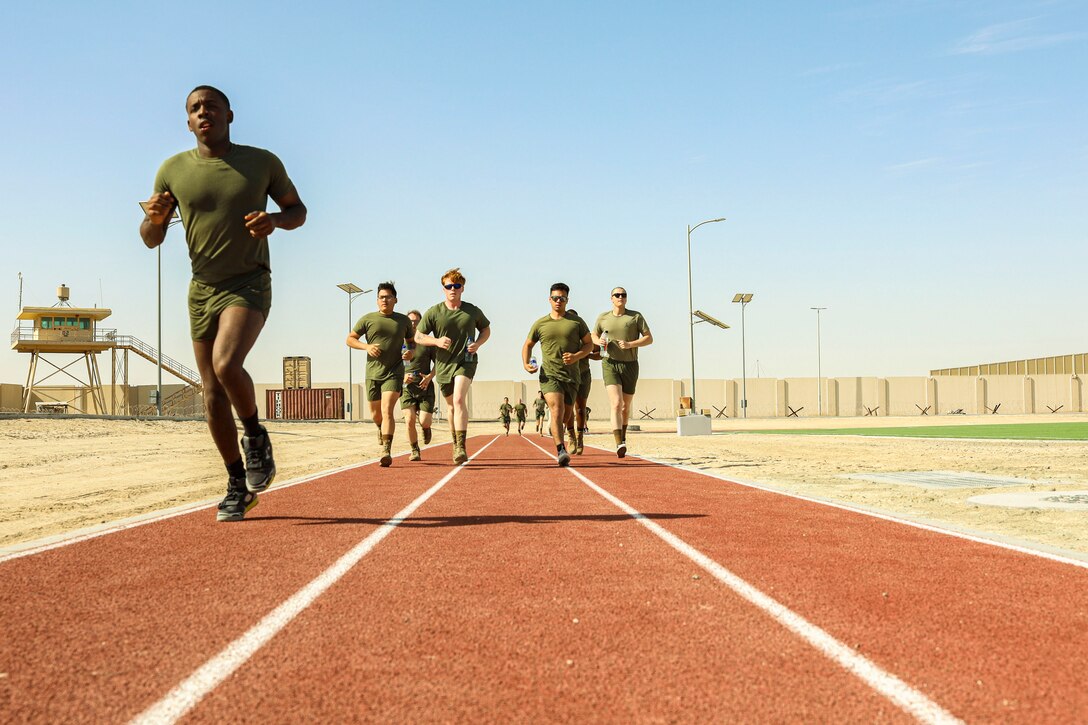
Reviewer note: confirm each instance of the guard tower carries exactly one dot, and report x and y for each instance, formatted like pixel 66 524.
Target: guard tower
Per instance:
pixel 63 330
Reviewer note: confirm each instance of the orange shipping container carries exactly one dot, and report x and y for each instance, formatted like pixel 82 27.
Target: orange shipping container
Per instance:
pixel 305 404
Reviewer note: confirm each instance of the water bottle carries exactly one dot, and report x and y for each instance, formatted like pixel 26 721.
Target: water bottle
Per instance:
pixel 532 363
pixel 469 357
pixel 604 344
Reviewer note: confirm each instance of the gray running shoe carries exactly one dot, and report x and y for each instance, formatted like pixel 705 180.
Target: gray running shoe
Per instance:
pixel 260 466
pixel 564 458
pixel 237 502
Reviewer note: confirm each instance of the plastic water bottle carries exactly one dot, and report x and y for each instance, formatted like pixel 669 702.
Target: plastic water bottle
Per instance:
pixel 469 357
pixel 604 344
pixel 532 363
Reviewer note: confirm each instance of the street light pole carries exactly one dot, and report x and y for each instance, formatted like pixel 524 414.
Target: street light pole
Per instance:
pixel 691 309
pixel 353 291
pixel 743 298
pixel 819 364
pixel 158 345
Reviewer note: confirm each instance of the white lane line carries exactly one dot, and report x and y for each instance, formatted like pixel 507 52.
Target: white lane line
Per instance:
pixel 900 693
pixel 194 688
pixel 978 539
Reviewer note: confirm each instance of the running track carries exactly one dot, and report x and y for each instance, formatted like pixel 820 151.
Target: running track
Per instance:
pixel 519 591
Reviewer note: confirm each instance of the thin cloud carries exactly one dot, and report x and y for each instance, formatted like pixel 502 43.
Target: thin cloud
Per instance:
pixel 913 165
pixel 826 69
pixel 1011 37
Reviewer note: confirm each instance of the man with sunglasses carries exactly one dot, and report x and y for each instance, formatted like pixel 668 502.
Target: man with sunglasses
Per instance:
pixel 457 330
pixel 626 331
pixel 385 332
pixel 564 341
pixel 221 191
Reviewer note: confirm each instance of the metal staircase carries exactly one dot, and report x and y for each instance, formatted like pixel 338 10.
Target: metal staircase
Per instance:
pixel 169 364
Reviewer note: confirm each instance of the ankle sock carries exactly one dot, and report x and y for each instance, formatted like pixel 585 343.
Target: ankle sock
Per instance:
pixel 252 425
pixel 236 469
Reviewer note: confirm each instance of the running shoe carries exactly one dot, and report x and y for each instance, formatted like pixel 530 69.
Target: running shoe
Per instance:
pixel 426 436
pixel 564 458
pixel 415 456
pixel 621 450
pixel 260 466
pixel 386 460
pixel 459 456
pixel 237 502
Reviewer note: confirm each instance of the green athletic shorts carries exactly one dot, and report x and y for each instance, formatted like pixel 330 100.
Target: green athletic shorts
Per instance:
pixel 540 415
pixel 505 420
pixel 415 397
pixel 207 302
pixel 375 388
pixel 568 388
pixel 466 369
pixel 584 386
pixel 624 374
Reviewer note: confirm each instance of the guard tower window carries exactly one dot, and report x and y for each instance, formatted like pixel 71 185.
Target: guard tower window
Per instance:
pixel 71 322
pixel 84 323
pixel 58 322
pixel 47 323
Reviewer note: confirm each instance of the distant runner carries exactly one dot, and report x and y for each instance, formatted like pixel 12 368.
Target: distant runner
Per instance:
pixel 504 414
pixel 520 410
pixel 541 406
pixel 620 333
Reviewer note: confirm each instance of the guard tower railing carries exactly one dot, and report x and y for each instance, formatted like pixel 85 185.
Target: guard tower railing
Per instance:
pixel 169 364
pixel 26 333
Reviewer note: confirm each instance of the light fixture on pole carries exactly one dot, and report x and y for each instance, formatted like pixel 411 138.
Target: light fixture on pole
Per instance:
pixel 743 298
pixel 691 311
pixel 353 292
pixel 819 365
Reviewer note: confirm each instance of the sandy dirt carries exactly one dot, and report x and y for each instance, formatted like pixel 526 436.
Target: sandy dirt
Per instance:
pixel 58 475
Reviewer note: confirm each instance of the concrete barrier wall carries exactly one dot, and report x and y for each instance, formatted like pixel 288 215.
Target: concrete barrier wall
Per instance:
pixel 660 398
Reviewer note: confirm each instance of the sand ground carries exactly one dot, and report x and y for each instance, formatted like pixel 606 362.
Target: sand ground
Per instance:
pixel 58 474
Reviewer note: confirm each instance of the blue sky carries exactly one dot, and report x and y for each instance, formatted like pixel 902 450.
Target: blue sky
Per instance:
pixel 920 168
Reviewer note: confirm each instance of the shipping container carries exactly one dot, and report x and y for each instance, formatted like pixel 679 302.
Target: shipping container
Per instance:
pixel 307 404
pixel 296 373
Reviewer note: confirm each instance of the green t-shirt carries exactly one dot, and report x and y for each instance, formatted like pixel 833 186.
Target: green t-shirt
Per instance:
pixel 422 358
pixel 557 337
pixel 541 406
pixel 583 364
pixel 458 325
pixel 388 334
pixel 504 410
pixel 628 327
pixel 520 409
pixel 214 196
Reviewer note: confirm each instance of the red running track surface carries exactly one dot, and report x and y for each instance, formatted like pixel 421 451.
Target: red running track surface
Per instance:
pixel 517 592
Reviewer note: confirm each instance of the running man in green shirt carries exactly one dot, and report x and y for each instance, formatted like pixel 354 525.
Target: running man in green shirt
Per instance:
pixel 385 332
pixel 504 414
pixel 620 332
pixel 520 410
pixel 541 406
pixel 417 400
pixel 576 415
pixel 221 191
pixel 563 342
pixel 457 330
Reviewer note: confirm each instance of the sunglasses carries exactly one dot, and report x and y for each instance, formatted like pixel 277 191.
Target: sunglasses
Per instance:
pixel 559 299
pixel 455 285
pixel 619 294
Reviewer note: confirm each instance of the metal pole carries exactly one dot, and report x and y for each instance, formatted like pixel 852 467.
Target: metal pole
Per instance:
pixel 819 364
pixel 158 346
pixel 350 414
pixel 743 364
pixel 691 327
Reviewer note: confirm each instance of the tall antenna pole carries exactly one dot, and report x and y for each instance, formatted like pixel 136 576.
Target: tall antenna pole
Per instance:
pixel 20 291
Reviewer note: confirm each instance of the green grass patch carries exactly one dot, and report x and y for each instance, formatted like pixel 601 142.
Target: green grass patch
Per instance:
pixel 996 431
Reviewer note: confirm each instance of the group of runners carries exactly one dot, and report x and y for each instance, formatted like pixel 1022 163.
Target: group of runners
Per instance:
pixel 221 189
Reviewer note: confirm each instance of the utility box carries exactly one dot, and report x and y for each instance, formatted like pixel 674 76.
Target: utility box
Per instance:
pixel 305 404
pixel 296 373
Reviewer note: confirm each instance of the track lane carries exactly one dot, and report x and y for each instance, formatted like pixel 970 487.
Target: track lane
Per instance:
pixel 517 594
pixel 99 629
pixel 988 633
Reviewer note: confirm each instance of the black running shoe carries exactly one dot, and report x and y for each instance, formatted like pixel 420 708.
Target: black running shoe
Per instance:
pixel 237 503
pixel 621 450
pixel 260 467
pixel 426 436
